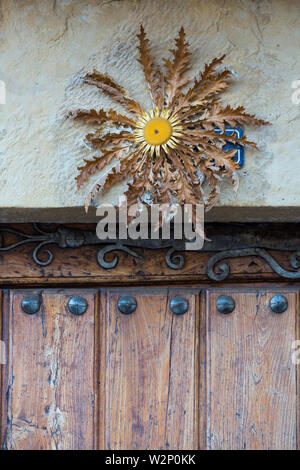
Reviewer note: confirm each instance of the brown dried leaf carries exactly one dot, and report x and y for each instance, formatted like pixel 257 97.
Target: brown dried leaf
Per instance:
pixel 114 90
pixel 209 71
pixel 168 178
pixel 213 182
pixel 223 159
pixel 99 162
pixel 152 74
pixel 120 119
pixel 204 90
pixel 109 139
pixel 91 196
pixel 232 116
pixel 127 166
pixel 176 68
pixel 91 116
pixel 199 136
pixel 207 86
pixel 186 192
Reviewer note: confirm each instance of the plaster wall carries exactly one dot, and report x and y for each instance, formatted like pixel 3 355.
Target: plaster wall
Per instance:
pixel 46 46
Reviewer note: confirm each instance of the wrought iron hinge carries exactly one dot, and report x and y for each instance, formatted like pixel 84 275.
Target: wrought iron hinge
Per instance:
pixel 227 241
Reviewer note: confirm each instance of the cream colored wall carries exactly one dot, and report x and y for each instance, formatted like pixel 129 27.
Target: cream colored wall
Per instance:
pixel 46 45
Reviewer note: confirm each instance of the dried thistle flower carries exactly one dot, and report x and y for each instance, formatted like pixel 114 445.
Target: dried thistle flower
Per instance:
pixel 171 152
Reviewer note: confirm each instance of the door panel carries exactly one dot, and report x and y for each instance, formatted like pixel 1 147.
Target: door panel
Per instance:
pixel 251 380
pixel 148 396
pixel 151 379
pixel 51 374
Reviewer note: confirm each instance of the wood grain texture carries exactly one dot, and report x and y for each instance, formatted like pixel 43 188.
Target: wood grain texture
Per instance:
pixel 2 368
pixel 79 266
pixel 202 386
pixel 51 375
pixel 148 380
pixel 251 380
pixel 298 367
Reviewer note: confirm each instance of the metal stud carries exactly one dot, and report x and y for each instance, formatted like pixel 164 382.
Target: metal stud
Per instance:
pixel 31 304
pixel 127 304
pixel 179 305
pixel 77 305
pixel 278 303
pixel 225 304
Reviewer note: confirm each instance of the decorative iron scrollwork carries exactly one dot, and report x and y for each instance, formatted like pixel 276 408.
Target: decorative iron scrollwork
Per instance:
pixel 62 237
pixel 228 241
pixel 174 261
pixel 41 237
pixel 118 246
pixel 65 237
pixel 224 270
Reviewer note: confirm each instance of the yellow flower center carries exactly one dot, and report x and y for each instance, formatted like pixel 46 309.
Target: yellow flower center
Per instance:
pixel 157 131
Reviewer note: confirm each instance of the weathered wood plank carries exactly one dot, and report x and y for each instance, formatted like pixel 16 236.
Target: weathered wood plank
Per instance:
pixel 297 364
pixel 2 370
pixel 148 380
pixel 251 380
pixel 51 375
pixel 202 387
pixel 79 266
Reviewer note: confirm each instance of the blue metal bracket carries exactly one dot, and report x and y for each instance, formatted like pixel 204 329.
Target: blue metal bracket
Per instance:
pixel 238 131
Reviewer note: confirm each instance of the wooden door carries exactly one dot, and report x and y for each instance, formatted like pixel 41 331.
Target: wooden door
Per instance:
pixel 50 376
pixel 126 381
pixel 151 379
pixel 251 381
pixel 149 372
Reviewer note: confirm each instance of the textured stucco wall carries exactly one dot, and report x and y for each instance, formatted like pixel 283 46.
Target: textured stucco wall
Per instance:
pixel 45 45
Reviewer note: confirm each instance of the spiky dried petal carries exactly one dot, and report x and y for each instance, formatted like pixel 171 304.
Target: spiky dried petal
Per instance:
pixel 114 90
pixel 91 116
pixel 97 164
pixel 153 75
pixel 176 69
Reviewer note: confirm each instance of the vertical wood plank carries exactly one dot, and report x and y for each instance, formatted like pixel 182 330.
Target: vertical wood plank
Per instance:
pixel 1 372
pixel 148 380
pixel 251 380
pixel 51 374
pixel 97 365
pixel 297 366
pixel 5 296
pixel 202 387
